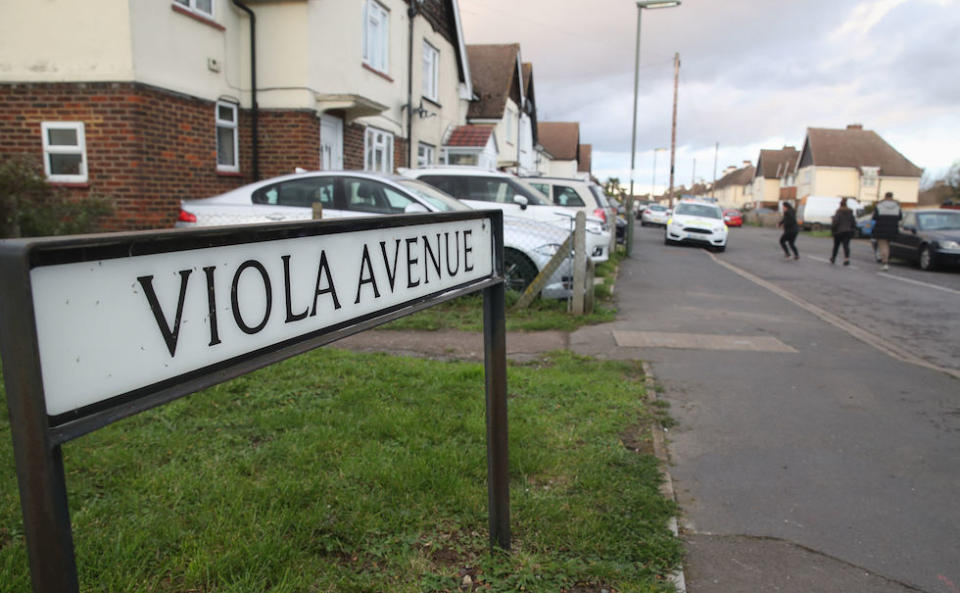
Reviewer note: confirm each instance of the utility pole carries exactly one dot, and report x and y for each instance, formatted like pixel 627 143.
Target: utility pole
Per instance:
pixel 673 131
pixel 713 187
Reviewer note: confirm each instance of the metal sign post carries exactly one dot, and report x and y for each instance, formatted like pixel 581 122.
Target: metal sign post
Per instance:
pixel 97 328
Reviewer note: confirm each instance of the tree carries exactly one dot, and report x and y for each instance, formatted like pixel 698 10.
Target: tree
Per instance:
pixel 612 187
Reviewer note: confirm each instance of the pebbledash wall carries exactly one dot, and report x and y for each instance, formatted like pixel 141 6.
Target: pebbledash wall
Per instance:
pixel 148 148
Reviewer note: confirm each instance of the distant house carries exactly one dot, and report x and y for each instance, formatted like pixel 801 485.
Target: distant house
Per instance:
pixel 773 167
pixel 504 99
pixel 473 145
pixel 854 162
pixel 733 190
pixel 154 101
pixel 585 162
pixel 562 141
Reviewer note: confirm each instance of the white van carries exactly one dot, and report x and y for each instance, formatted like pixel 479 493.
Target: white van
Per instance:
pixel 816 212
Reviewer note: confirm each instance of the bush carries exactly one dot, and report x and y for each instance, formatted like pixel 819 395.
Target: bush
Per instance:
pixel 31 207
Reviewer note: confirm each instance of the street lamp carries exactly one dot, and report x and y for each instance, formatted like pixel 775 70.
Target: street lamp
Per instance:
pixel 641 4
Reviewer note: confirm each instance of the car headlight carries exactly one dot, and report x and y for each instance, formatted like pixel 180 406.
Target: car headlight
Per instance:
pixel 949 244
pixel 549 250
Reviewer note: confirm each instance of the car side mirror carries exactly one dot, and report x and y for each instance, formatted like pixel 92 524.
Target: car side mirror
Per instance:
pixel 415 208
pixel 521 201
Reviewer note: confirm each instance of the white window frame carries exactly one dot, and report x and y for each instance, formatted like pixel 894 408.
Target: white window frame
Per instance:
pixel 377 141
pixel 191 5
pixel 50 149
pixel 430 61
pixel 426 155
pixel 376 36
pixel 230 125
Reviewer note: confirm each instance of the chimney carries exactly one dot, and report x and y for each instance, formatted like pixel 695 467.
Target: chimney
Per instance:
pixel 854 126
pixel 747 164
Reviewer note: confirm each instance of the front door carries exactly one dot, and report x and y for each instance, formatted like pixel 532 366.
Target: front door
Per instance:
pixel 331 143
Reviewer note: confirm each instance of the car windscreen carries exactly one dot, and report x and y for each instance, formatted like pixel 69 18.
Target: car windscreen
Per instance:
pixel 533 195
pixel 938 221
pixel 440 201
pixel 703 210
pixel 656 208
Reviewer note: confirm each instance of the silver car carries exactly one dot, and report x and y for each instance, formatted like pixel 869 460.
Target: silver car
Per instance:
pixel 528 245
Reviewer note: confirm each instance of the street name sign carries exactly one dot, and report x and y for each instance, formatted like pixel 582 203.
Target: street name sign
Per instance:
pixel 96 328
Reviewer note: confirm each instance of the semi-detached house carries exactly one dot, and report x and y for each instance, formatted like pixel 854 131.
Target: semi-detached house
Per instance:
pixel 154 101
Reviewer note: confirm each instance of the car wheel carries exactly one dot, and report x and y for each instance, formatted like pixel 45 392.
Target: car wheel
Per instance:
pixel 518 270
pixel 926 259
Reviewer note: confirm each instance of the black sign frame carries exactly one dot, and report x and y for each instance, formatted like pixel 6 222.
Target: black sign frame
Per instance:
pixel 37 437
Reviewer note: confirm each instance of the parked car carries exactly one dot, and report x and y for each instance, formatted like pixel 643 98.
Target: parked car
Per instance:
pixel 865 226
pixel 929 237
pixel 576 194
pixel 654 215
pixel 528 244
pixel 697 222
pixel 733 217
pixel 816 212
pixel 480 188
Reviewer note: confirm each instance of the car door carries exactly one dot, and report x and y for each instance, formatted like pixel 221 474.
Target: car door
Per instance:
pixel 293 199
pixel 907 243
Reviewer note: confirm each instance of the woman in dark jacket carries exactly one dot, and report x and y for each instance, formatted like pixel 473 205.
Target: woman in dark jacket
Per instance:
pixel 842 229
pixel 790 229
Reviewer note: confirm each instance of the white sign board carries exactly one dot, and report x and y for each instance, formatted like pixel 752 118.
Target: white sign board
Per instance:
pixel 108 327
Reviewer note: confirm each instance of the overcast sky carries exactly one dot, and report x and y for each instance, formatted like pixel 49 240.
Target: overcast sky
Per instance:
pixel 753 74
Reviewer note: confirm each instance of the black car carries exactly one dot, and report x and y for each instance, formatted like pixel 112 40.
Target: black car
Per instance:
pixel 929 237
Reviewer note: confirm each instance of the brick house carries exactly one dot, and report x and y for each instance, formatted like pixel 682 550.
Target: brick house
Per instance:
pixel 773 167
pixel 561 140
pixel 154 101
pixel 733 190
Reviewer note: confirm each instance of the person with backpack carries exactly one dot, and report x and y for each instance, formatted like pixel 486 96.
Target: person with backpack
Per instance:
pixel 886 225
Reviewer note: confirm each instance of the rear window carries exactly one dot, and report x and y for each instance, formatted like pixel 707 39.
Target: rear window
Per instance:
pixel 704 210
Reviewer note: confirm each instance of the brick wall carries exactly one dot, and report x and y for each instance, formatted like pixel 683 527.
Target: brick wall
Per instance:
pixel 148 148
pixel 353 146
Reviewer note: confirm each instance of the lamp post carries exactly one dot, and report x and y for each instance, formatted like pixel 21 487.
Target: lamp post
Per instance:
pixel 641 4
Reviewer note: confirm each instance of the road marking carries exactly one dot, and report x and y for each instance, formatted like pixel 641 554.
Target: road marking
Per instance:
pixel 868 338
pixel 918 282
pixel 642 339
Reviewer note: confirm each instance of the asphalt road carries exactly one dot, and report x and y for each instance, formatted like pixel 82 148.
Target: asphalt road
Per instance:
pixel 817 445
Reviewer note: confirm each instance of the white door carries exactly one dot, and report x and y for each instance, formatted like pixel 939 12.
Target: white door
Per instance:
pixel 331 143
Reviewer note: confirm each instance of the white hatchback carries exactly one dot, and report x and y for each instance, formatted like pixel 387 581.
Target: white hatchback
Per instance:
pixel 699 223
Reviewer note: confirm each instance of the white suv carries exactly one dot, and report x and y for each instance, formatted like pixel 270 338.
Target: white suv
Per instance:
pixel 480 188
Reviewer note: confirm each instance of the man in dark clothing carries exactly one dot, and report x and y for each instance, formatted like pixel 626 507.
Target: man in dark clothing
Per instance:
pixel 790 230
pixel 842 229
pixel 886 224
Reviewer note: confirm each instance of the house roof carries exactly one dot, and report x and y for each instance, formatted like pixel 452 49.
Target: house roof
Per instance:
pixel 586 152
pixel 741 176
pixel 494 71
pixel 774 164
pixel 855 147
pixel 529 95
pixel 470 135
pixel 560 138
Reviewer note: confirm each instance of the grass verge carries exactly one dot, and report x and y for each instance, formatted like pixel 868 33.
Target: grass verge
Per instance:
pixel 344 472
pixel 466 313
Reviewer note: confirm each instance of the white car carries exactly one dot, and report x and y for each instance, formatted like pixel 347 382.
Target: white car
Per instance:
pixel 575 194
pixel 700 223
pixel 480 188
pixel 655 215
pixel 527 245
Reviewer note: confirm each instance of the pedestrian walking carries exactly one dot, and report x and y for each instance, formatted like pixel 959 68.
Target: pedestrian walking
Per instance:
pixel 842 229
pixel 886 224
pixel 790 229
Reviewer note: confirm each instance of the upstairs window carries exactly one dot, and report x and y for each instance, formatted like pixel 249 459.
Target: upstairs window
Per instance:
pixel 64 152
pixel 201 7
pixel 378 151
pixel 431 67
pixel 376 36
pixel 227 141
